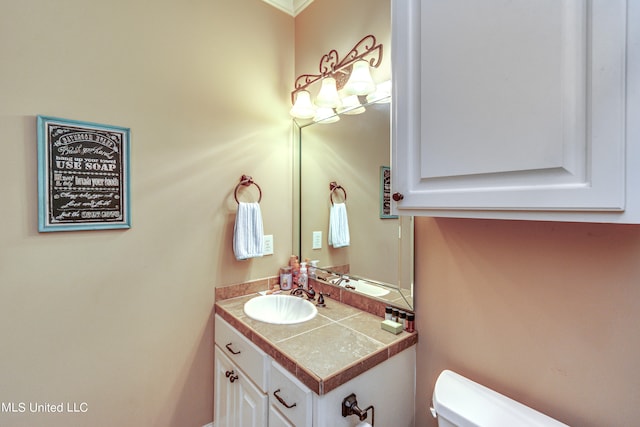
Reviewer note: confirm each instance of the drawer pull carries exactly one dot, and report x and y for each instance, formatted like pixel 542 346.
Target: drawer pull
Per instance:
pixel 231 375
pixel 281 400
pixel 228 346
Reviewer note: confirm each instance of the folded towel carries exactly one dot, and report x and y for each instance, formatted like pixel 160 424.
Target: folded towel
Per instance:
pixel 338 226
pixel 248 233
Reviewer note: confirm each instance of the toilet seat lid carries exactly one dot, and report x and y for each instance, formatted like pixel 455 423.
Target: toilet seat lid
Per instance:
pixel 469 404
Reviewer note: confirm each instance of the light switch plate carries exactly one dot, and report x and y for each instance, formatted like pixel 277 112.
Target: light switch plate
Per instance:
pixel 267 245
pixel 317 240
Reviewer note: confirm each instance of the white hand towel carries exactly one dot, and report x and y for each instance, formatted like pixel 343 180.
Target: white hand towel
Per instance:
pixel 338 226
pixel 248 232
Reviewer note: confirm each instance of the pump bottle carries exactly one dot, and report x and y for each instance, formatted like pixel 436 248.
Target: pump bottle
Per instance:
pixel 303 279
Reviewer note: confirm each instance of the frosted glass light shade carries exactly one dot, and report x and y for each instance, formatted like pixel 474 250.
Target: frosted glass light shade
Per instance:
pixel 351 105
pixel 360 81
pixel 328 95
pixel 382 94
pixel 303 108
pixel 325 115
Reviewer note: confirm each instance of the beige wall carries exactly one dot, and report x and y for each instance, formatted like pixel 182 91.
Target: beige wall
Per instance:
pixel 546 313
pixel 122 320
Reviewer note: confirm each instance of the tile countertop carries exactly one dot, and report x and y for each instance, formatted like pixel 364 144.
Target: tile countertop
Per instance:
pixel 325 352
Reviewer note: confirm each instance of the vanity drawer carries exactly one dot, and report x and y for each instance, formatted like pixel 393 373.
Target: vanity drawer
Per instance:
pixel 246 355
pixel 285 390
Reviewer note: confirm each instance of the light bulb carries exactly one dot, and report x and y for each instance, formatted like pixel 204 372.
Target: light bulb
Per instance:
pixel 360 81
pixel 303 108
pixel 351 105
pixel 328 95
pixel 382 94
pixel 325 115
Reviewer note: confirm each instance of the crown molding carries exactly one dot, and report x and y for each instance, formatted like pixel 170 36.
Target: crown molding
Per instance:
pixel 291 7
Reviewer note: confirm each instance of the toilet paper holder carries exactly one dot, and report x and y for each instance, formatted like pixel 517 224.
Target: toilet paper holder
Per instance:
pixel 350 407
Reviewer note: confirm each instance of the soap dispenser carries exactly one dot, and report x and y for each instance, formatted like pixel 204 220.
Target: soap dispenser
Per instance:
pixel 303 279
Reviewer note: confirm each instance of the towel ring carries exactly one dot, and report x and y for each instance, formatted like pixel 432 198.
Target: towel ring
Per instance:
pixel 333 186
pixel 246 181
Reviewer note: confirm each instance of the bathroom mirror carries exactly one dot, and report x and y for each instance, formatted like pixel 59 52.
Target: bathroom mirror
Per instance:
pixel 352 152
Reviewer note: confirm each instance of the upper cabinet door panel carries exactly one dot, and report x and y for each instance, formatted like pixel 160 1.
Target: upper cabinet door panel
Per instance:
pixel 509 105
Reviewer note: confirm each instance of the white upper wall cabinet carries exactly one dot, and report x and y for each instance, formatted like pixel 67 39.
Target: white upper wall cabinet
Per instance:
pixel 516 109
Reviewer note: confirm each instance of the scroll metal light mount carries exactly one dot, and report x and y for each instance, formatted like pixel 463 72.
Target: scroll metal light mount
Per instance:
pixel 351 74
pixel 332 66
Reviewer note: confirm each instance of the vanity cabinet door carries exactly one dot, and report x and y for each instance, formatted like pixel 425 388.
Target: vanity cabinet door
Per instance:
pixel 252 405
pixel 511 109
pixel 223 391
pixel 238 401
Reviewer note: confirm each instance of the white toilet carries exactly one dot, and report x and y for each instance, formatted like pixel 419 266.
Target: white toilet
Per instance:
pixel 460 402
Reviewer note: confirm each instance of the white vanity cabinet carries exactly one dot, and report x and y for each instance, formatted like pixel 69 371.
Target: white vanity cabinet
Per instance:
pixel 265 394
pixel 388 387
pixel 522 109
pixel 241 378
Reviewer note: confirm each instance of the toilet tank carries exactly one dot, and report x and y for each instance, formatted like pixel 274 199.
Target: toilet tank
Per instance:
pixel 460 402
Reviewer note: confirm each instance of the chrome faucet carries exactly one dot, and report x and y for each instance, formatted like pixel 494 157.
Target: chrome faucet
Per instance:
pixel 299 291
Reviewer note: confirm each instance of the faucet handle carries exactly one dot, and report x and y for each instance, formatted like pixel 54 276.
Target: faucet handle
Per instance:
pixel 311 293
pixel 321 302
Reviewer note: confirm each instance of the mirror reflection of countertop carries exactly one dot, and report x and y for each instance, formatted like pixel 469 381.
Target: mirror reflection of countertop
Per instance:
pixel 338 344
pixel 391 295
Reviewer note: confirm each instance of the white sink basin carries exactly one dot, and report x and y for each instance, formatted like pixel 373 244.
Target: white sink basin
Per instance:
pixel 280 309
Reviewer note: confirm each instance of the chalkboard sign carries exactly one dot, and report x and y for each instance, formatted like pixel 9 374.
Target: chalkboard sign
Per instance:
pixel 83 175
pixel 385 193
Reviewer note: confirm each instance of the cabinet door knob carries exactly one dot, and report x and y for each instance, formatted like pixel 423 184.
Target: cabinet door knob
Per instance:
pixel 231 375
pixel 228 346
pixel 281 400
pixel 397 196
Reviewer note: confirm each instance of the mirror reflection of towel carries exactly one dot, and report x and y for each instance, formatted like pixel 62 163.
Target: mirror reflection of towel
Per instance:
pixel 248 233
pixel 338 226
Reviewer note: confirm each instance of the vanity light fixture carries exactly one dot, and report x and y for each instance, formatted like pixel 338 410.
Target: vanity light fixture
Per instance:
pixel 328 96
pixel 303 108
pixel 360 81
pixel 325 115
pixel 350 75
pixel 382 94
pixel 351 105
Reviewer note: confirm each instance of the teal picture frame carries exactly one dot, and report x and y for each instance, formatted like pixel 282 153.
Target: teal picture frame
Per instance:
pixel 385 193
pixel 83 175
